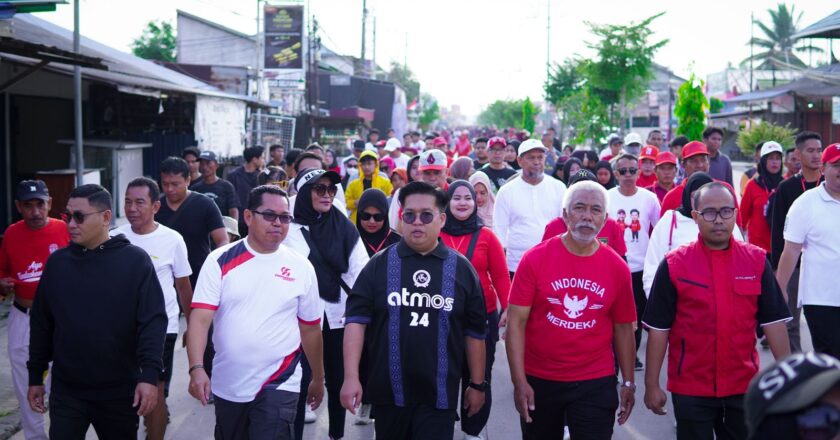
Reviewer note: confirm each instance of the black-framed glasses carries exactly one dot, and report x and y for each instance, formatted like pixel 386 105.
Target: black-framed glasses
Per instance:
pixel 366 216
pixel 322 189
pixel 820 422
pixel 78 216
pixel 272 216
pixel 624 171
pixel 426 217
pixel 712 214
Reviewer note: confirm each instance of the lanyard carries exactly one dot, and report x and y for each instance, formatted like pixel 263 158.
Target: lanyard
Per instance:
pixel 376 249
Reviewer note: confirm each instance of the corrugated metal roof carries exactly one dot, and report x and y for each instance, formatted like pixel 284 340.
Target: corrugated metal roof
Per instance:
pixel 828 27
pixel 802 87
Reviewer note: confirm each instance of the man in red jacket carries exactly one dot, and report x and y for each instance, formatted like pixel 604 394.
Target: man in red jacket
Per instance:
pixel 708 319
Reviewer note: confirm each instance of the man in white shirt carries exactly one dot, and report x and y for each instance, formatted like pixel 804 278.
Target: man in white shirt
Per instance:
pixel 263 299
pixel 168 252
pixel 526 203
pixel 811 229
pixel 392 147
pixel 636 210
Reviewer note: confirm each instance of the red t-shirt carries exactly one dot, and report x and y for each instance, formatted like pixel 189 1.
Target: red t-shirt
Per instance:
pixel 644 181
pixel 489 262
pixel 574 303
pixel 611 234
pixel 751 215
pixel 24 253
pixel 673 199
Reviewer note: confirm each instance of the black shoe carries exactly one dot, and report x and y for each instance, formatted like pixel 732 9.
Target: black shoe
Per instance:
pixel 639 365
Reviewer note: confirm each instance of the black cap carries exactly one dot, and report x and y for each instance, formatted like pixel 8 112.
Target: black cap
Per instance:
pixel 581 176
pixel 32 189
pixel 207 155
pixel 359 145
pixel 790 385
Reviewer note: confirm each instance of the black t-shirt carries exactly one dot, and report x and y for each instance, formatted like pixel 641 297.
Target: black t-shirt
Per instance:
pixel 418 310
pixel 194 220
pixel 221 191
pixel 243 182
pixel 661 307
pixel 786 193
pixel 497 177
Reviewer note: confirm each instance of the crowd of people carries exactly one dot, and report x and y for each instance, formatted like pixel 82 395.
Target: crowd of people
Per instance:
pixel 388 277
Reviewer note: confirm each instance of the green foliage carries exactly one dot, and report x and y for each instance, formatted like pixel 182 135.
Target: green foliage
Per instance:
pixel 778 44
pixel 715 105
pixel 431 113
pixel 588 115
pixel 763 132
pixel 563 81
pixel 502 114
pixel 529 112
pixel 403 76
pixel 156 43
pixel 690 109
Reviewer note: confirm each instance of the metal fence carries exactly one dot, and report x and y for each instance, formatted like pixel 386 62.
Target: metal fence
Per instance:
pixel 266 130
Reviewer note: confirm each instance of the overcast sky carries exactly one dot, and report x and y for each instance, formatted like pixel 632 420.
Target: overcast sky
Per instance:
pixel 472 52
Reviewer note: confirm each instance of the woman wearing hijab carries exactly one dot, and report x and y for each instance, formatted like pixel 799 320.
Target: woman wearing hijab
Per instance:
pixel 674 229
pixel 331 161
pixel 570 168
pixel 399 178
pixel 332 244
pixel 462 168
pixel 752 217
pixel 372 222
pixel 465 232
pixel 557 172
pixel 604 174
pixel 484 197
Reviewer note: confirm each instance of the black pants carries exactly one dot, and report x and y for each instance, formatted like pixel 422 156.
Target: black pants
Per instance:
pixel 70 418
pixel 825 334
pixel 475 424
pixel 333 378
pixel 305 378
pixel 588 407
pixel 270 416
pixel 641 303
pixel 707 418
pixel 419 422
pixel 795 312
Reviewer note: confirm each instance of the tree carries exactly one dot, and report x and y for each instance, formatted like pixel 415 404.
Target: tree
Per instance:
pixel 778 42
pixel 763 132
pixel 430 113
pixel 690 109
pixel 404 77
pixel 502 113
pixel 529 112
pixel 715 105
pixel 156 43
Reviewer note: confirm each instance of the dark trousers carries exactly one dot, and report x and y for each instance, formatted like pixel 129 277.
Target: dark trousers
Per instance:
pixel 641 303
pixel 70 418
pixel 270 416
pixel 825 333
pixel 588 407
pixel 707 418
pixel 419 422
pixel 475 424
pixel 333 378
pixel 305 378
pixel 795 312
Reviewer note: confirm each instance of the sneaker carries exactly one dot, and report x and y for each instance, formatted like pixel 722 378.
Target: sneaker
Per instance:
pixel 473 437
pixel 309 416
pixel 639 365
pixel 363 415
pixel 566 435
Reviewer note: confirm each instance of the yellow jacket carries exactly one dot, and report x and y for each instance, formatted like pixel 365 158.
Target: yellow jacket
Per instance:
pixel 356 187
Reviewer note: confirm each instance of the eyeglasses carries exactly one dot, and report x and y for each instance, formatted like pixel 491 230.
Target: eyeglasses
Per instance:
pixel 283 184
pixel 322 189
pixel 78 216
pixel 712 214
pixel 366 216
pixel 624 171
pixel 820 422
pixel 426 217
pixel 271 217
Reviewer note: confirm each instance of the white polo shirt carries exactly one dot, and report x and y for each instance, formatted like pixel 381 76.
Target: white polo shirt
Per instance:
pixel 813 221
pixel 259 300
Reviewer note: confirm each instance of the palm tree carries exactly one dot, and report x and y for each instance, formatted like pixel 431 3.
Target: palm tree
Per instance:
pixel 778 44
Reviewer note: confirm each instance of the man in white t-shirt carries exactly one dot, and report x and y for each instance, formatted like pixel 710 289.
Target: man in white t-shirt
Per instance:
pixel 392 147
pixel 526 203
pixel 636 210
pixel 169 256
pixel 263 300
pixel 811 228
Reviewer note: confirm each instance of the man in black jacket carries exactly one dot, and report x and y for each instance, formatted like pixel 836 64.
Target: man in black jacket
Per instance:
pixel 99 317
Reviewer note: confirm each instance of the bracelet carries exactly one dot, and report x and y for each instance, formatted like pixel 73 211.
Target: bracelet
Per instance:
pixel 195 367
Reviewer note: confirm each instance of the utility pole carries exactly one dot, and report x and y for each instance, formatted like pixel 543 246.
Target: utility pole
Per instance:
pixel 364 34
pixel 405 51
pixel 77 100
pixel 548 40
pixel 257 124
pixel 373 56
pixel 752 28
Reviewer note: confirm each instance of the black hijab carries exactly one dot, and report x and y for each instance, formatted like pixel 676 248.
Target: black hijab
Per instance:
pixel 765 178
pixel 457 227
pixel 333 235
pixel 411 161
pixel 567 167
pixel 382 238
pixel 558 166
pixel 605 165
pixel 694 183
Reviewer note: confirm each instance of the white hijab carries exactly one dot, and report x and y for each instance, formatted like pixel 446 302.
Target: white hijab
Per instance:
pixel 485 212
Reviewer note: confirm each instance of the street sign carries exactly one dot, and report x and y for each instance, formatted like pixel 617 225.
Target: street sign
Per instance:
pixel 835 110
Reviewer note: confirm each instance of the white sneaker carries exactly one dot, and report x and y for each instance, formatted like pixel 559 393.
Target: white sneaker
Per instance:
pixel 309 416
pixel 363 415
pixel 566 435
pixel 473 437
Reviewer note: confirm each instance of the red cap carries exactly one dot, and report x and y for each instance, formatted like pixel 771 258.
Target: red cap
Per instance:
pixel 496 140
pixel 694 148
pixel 649 152
pixel 831 154
pixel 381 143
pixel 666 157
pixel 439 141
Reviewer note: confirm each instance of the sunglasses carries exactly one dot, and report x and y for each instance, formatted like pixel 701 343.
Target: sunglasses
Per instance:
pixel 712 214
pixel 366 216
pixel 78 216
pixel 820 422
pixel 624 171
pixel 271 217
pixel 426 217
pixel 322 189
pixel 283 184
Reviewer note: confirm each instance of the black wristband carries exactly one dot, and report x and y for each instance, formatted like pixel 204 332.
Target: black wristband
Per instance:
pixel 195 367
pixel 479 386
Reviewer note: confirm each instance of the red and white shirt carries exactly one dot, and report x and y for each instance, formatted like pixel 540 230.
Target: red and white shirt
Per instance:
pixel 259 300
pixel 574 303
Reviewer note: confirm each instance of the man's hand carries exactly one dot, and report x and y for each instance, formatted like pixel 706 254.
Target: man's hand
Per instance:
pixel 351 395
pixel 315 393
pixel 655 399
pixel 200 385
pixel 523 396
pixel 473 401
pixel 7 286
pixel 628 400
pixel 35 395
pixel 145 398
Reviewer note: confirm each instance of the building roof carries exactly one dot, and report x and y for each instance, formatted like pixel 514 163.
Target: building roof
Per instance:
pixel 828 27
pixel 217 25
pixel 805 86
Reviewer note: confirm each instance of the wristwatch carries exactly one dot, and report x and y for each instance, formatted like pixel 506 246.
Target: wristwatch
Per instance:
pixel 629 384
pixel 479 386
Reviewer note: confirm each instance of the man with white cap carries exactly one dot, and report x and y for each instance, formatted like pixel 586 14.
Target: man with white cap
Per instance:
pixel 432 170
pixel 392 147
pixel 633 144
pixel 526 203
